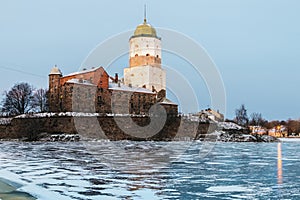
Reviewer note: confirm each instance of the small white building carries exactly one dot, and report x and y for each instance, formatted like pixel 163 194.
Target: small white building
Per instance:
pixel 211 114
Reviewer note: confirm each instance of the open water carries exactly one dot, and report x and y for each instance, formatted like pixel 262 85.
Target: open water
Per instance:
pixel 150 170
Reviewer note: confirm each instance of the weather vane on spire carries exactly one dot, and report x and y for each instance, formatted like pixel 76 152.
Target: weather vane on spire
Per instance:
pixel 145 19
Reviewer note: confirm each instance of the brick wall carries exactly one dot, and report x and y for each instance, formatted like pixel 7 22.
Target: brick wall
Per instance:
pixel 144 60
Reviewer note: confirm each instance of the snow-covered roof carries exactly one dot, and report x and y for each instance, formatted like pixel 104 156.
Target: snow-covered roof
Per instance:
pixel 166 101
pixel 77 81
pixel 82 72
pixel 122 87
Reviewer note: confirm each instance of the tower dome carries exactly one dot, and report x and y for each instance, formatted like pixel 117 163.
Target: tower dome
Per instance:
pixel 145 30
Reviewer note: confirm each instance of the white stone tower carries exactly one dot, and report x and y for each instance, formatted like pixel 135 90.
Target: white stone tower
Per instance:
pixel 145 60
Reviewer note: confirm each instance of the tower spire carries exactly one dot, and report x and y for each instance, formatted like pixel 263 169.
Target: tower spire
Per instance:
pixel 145 16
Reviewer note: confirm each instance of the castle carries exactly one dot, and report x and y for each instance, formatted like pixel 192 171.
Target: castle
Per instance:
pixel 94 90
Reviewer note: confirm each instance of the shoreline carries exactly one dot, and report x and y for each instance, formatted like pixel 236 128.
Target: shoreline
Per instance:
pixel 289 139
pixel 217 136
pixel 72 127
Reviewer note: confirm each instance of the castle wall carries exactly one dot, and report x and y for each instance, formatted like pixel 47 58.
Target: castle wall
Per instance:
pixel 89 98
pixel 61 92
pixel 88 127
pixel 171 109
pixel 67 96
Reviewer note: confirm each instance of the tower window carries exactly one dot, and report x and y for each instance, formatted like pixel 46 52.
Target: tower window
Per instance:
pixel 157 56
pixel 136 55
pixel 147 54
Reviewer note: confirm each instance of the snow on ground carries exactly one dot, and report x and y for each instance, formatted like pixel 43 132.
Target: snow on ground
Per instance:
pixel 5 121
pixel 61 114
pixel 74 114
pixel 289 139
pixel 229 125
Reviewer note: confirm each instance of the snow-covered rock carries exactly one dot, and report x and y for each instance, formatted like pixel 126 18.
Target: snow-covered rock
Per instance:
pixel 225 136
pixel 5 121
pixel 229 125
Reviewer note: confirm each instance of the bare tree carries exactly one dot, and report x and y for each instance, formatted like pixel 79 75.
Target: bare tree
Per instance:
pixel 40 100
pixel 293 126
pixel 18 99
pixel 256 119
pixel 241 117
pixel 272 124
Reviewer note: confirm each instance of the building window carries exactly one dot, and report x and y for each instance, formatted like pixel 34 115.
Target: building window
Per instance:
pixel 157 56
pixel 147 54
pixel 136 55
pixel 100 100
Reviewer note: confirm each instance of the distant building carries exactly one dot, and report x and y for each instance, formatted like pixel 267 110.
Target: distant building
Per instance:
pixel 278 131
pixel 211 114
pixel 93 90
pixel 258 130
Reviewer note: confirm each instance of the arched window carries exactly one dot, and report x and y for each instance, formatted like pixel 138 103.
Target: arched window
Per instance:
pixel 157 56
pixel 147 54
pixel 136 55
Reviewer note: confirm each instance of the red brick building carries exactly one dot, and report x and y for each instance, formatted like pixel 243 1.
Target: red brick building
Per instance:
pixel 95 91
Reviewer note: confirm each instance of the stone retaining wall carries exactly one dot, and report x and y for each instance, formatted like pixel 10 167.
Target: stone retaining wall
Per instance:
pixel 104 127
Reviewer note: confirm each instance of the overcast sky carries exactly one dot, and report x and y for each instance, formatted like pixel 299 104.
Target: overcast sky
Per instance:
pixel 255 44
